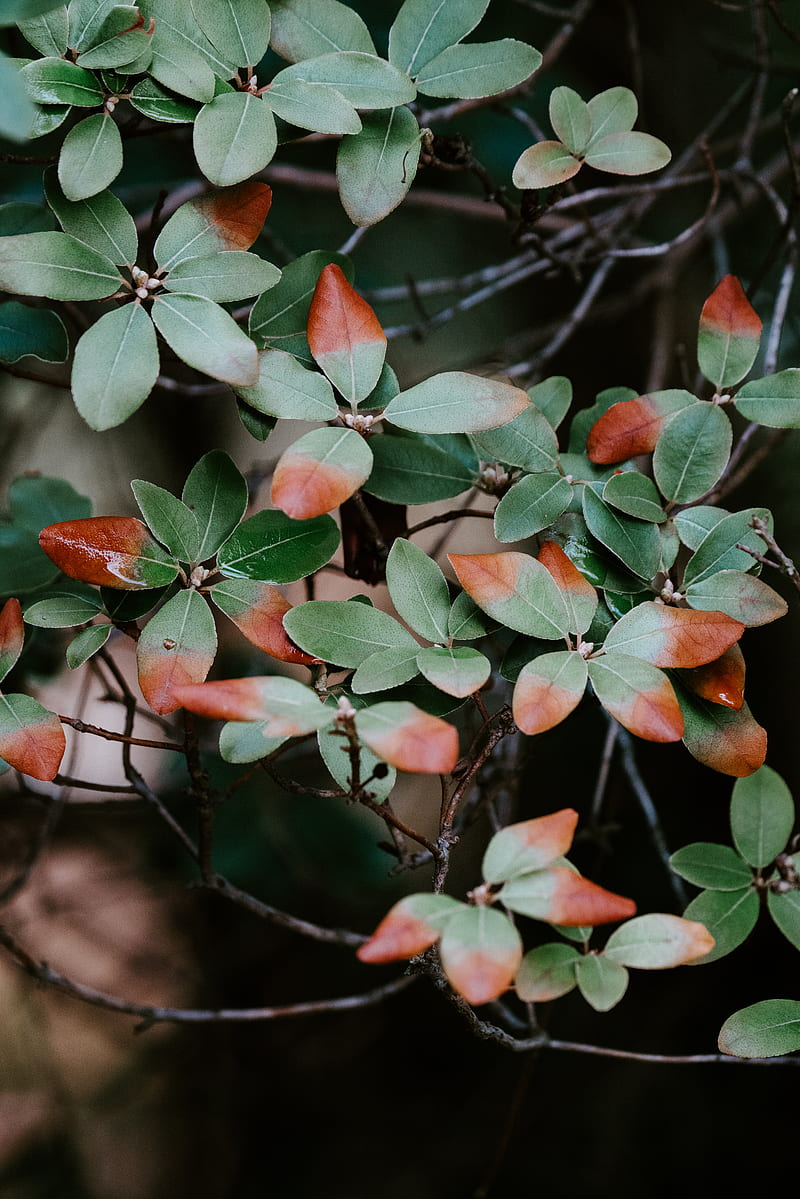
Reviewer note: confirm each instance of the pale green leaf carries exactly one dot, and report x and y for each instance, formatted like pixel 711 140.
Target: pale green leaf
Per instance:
pixel 238 28
pixel 226 276
pixel 477 69
pixel 100 221
pixel 115 367
pixel 628 153
pixel 571 119
pixel 343 632
pixel 206 337
pixel 234 138
pixel 692 451
pixel 286 388
pixel 376 167
pixel 418 589
pixel 365 80
pixel 601 981
pixel 312 106
pixel 424 28
pixel 544 165
pixel 773 401
pixel 307 28
pixel 56 266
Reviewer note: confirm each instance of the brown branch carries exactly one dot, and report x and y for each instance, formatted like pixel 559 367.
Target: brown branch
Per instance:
pixel 81 726
pixel 315 932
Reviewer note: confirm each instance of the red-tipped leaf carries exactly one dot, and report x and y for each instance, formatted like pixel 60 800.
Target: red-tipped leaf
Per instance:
pixel 658 941
pixel 516 590
pixel 110 551
pixel 406 737
pixel 12 635
pixel 578 592
pixel 177 646
pixel 562 896
pixel 31 738
pixel 345 336
pixel 725 739
pixel 547 690
pixel 729 334
pixel 632 426
pixel 257 610
pixel 529 845
pixel 668 636
pixel 720 681
pixel 320 471
pixel 638 695
pixel 480 953
pixel 413 924
pixel 288 708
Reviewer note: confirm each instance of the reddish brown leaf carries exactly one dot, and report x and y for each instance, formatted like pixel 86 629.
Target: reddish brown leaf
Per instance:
pixel 564 571
pixel 261 621
pixel 111 551
pixel 339 318
pixel 480 953
pixel 547 690
pixel 12 635
pixel 576 901
pixel 408 738
pixel 225 699
pixel 409 927
pixel 720 681
pixel 673 637
pixel 31 738
pixel 627 428
pixel 728 310
pixel 237 212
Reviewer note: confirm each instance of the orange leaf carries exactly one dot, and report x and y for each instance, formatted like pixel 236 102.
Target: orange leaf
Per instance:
pixel 320 471
pixel 667 636
pixel 110 551
pixel 629 427
pixel 547 690
pixel 720 681
pixel 31 738
pixel 237 212
pixel 410 926
pixel 408 738
pixel 225 699
pixel 345 336
pixel 12 635
pixel 260 618
pixel 480 953
pixel 576 901
pixel 529 845
pixel 728 310
pixel 564 571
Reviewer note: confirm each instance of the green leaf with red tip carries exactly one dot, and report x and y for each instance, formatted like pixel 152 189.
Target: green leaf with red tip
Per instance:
pixel 413 924
pixel 571 119
pixel 344 632
pixel 529 845
pixel 456 402
pixel 638 695
pixel 579 594
pixel 720 681
pixel 636 543
pixel 177 646
pixel 628 153
pixel 721 737
pixel 418 589
pixel 532 504
pixel 560 895
pixel 774 401
pixel 57 266
pixel 601 982
pixel 206 337
pixel 766 1029
pixel 547 972
pixel 111 551
pixel 288 708
pixel 729 916
pixel 345 336
pixel 279 318
pixel 273 548
pixel 403 735
pixel 635 495
pixel 658 941
pixel 515 590
pixel 729 334
pixel 12 635
pixel 319 471
pixel 216 493
pixel 285 388
pixel 717 867
pixel 762 816
pixel 632 427
pixel 668 636
pixel 544 165
pixel 31 738
pixel 457 670
pixel 257 610
pixel 692 452
pixel 528 441
pixel 739 595
pixel 225 220
pixel 480 952
pixel 547 690
pixel 115 367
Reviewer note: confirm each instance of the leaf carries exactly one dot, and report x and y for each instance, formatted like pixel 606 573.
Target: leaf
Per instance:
pixel 544 165
pixel 424 28
pixel 12 635
pixel 216 493
pixel 406 737
pixel 257 424
pixel 112 551
pixel 559 895
pixel 307 28
pixel 160 104
pixel 633 426
pixel 413 924
pixel 784 909
pixel 16 11
pixel 469 72
pixel 287 389
pixel 343 632
pixel 177 646
pixel 122 38
pixel 245 741
pixel 773 401
pixel 692 452
pixel 288 708
pixel 31 738
pixel 458 671
pixel 516 590
pixel 694 525
pixel 85 17
pixel 635 542
pixel 480 952
pixel 547 690
pixel 601 982
pixel 18 115
pixel 20 217
pixel 729 334
pixel 720 681
pixel 669 636
pixel 345 336
pixel 571 119
pixel 376 167
pixel 528 845
pixel 234 137
pixel 86 643
pixel 278 319
pixel 729 916
pixel 56 266
pixel 739 595
pixel 64 610
pixel 273 548
pixel 552 397
pixel 312 106
pixel 716 867
pixel 418 589
pixel 258 610
pixel 455 402
pixel 115 367
pixel 206 338
pixel 238 28
pixel 532 504
pixel 319 471
pixel 612 111
pixel 169 520
pixel 386 669
pixel 527 441
pixel 723 738
pixel 179 67
pixel 364 80
pixel 658 941
pixel 226 220
pixel 766 1029
pixel 101 221
pixel 55 81
pixel 718 549
pixel 178 35
pixel 546 973
pixel 579 594
pixel 35 331
pixel 762 816
pixel 628 153
pixel 229 275
pixel 635 495
pixel 466 622
pixel 638 695
pixel 90 158
pixel 409 470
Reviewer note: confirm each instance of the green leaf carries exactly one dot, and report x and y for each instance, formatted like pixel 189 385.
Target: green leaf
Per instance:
pixel 657 941
pixel 90 158
pixel 692 452
pixel 234 138
pixel 177 65
pixel 273 548
pixel 571 119
pixel 364 80
pixel 552 397
pixel 601 982
pixel 717 551
pixel 115 368
pixel 515 590
pixel 206 337
pixel 612 111
pixel 35 331
pixel 307 28
pixel 638 695
pixel 635 542
pixel 456 402
pixel 122 38
pixel 469 72
pixel 25 10
pixel 762 816
pixel 312 106
pixel 278 319
pixel 729 916
pixel 628 153
pixel 334 750
pixel 457 670
pixel 343 632
pixel 55 81
pixel 227 276
pixel 17 113
pixel 466 621
pixel 101 221
pixel 409 470
pixel 63 611
pixel 528 441
pixel 696 523
pixel 766 1029
pixel 635 495
pixel 56 266
pixel 216 493
pixel 716 867
pixel 177 646
pixel 376 167
pixel 257 424
pixel 424 28
pixel 243 741
pixel 737 594
pixel 85 17
pixel 239 29
pixel 773 401
pixel 178 34
pixel 285 388
pixel 169 520
pixel 418 589
pixel 784 909
pixel 86 643
pixel 547 972
pixel 532 504
pixel 544 165
pixel 19 217
pixel 386 669
pixel 160 104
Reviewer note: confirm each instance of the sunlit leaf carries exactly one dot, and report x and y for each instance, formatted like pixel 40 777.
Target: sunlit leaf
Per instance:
pixel 579 594
pixel 456 670
pixel 257 610
pixel 113 551
pixel 635 495
pixel 122 38
pixel 638 695
pixel 56 81
pixel 480 952
pixel 729 334
pixel 739 595
pixel 385 669
pixel 312 106
pixel 774 401
pixel 319 471
pixel 86 643
pixel 345 336
pixel 516 590
pixel 692 452
pixel 456 402
pixel 365 80
pixel 612 111
pixel 527 441
pixel 278 319
pixel 766 1029
pixel 547 690
pixel 64 610
pixel 31 738
pixel 762 816
pixel 160 104
pixel 413 924
pixel 169 519
pixel 719 548
pixel 406 737
pixel 101 221
pixel 48 33
pixel 632 427
pixel 245 741
pixel 528 845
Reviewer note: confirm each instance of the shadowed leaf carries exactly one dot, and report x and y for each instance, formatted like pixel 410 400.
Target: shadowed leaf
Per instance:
pixel 376 167
pixel 601 982
pixel 723 738
pixel 115 367
pixel 57 266
pixel 478 69
pixel 774 401
pixel 273 548
pixel 717 867
pixel 729 916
